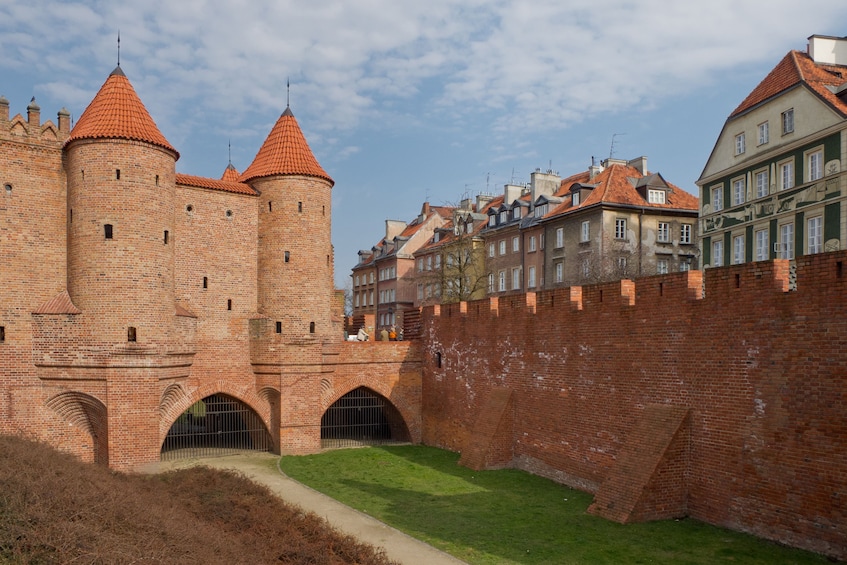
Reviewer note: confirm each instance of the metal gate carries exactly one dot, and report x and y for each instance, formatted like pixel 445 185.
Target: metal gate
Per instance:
pixel 217 425
pixel 361 417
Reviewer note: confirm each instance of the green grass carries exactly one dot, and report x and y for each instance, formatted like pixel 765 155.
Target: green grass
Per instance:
pixel 509 516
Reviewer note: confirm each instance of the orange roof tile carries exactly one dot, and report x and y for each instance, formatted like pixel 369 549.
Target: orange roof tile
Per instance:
pixel 794 69
pixel 117 112
pixel 230 173
pixel 59 304
pixel 285 152
pixel 214 184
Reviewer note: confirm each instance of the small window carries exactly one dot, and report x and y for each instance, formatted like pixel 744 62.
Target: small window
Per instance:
pixel 130 334
pixel 740 144
pixel 229 304
pixel 661 266
pixel 717 198
pixel 438 359
pixel 585 232
pixel 157 180
pixel 107 231
pixel 560 237
pixel 8 188
pixel 270 206
pixel 685 234
pixel 575 199
pixel 287 256
pixel 323 210
pixel 516 245
pixel 166 237
pixel 762 184
pixel 279 327
pixel 299 206
pixel 620 228
pixel 117 174
pixel 205 282
pixel 502 245
pixel 656 196
pixel 71 215
pixel 739 191
pixel 664 232
pixel 764 134
pixel 189 208
pixel 788 121
pixel 311 327
pixel 229 213
pixel 532 243
pixel 2 334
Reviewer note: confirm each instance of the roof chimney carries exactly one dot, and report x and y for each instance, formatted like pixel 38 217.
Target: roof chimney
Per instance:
pixel 543 183
pixel 393 228
pixel 594 169
pixel 827 49
pixel 640 164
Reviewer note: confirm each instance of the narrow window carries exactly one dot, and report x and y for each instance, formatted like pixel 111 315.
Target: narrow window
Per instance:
pixel 737 280
pixel 229 304
pixel 71 215
pixel 166 237
pixel 287 256
pixel 157 180
pixel 279 327
pixel 130 334
pixel 323 210
pixel 311 327
pixel 327 260
pixel 299 206
pixel 839 268
pixel 3 332
pixel 205 282
pixel 107 230
pixel 438 359
pixel 117 174
pixel 270 206
pixel 82 173
pixel 661 289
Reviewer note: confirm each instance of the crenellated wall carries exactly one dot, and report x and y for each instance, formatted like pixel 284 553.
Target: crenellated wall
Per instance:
pixel 729 392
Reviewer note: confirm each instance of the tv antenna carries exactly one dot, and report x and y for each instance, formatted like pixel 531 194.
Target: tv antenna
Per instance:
pixel 612 146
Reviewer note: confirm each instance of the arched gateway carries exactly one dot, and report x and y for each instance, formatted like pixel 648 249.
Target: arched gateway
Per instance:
pixel 362 417
pixel 218 424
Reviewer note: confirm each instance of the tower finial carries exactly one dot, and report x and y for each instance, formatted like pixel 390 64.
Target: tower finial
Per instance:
pixel 229 148
pixel 119 48
pixel 288 92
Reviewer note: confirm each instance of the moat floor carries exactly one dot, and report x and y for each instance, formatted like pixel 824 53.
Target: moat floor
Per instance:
pixel 398 546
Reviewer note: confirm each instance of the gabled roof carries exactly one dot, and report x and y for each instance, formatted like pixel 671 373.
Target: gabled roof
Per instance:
pixel 117 112
pixel 798 68
pixel 285 152
pixel 214 184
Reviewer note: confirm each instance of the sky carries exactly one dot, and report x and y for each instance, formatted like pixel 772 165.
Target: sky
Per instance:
pixel 408 101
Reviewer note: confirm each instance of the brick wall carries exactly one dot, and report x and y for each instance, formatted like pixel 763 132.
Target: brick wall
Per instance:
pixel 761 369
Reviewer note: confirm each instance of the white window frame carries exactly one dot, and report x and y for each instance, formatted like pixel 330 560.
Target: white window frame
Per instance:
pixel 516 244
pixel 762 183
pixel 490 282
pixel 502 247
pixel 684 265
pixel 585 231
pixel 429 262
pixel 762 239
pixel 738 249
pixel 502 280
pixel 786 174
pixel 764 133
pixel 656 196
pixel 662 267
pixel 685 234
pixel 516 278
pixel 491 250
pixel 355 300
pixel 663 232
pixel 531 243
pixel 620 228
pixel 560 238
pixel 504 216
pixel 438 261
pixel 717 198
pixel 575 199
pixel 717 253
pixel 560 272
pixel 420 264
pixel 531 277
pixel 814 235
pixel 740 143
pixel 814 164
pixel 739 191
pixel 786 241
pixel 492 220
pixel 787 121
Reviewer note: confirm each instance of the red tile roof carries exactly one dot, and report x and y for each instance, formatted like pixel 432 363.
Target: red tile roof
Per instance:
pixel 285 152
pixel 59 304
pixel 230 173
pixel 117 112
pixel 794 69
pixel 214 184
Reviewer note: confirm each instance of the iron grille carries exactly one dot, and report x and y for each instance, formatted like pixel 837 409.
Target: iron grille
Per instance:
pixel 217 425
pixel 361 417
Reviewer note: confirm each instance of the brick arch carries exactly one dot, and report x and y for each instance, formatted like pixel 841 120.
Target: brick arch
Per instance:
pixel 87 413
pixel 172 398
pixel 382 388
pixel 259 404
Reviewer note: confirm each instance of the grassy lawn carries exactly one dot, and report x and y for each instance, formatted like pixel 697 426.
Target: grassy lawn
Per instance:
pixel 509 516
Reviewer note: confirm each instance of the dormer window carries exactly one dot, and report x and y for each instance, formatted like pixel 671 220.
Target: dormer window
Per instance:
pixel 575 199
pixel 436 237
pixel 541 210
pixel 469 227
pixel 516 213
pixel 656 196
pixel 492 220
pixel 504 216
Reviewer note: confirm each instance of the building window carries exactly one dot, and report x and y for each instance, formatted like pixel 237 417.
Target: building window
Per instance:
pixel 355 299
pixel 815 234
pixel 815 164
pixel 166 237
pixel 785 248
pixel 490 282
pixel 531 277
pixel 622 265
pixel 311 327
pixel 516 278
pixel 229 304
pixel 531 243
pixel 684 265
pixel 664 234
pixel 620 228
pixel 2 332
pixel 586 269
pixel 299 206
pixel 516 245
pixel 502 286
pixel 502 246
pixel 429 263
pixel 738 191
pixel 762 188
pixel 491 250
pixel 541 241
pixel 661 266
pixel 575 199
pixel 117 174
pixel 516 213
pixel 560 272
pixel 107 231
pixel 287 256
pixel 786 175
pixel 357 280
pixel 492 219
pixel 205 282
pixel 585 231
pixel 717 253
pixel 717 198
pixel 131 334
pixel 685 234
pixel 371 301
pixel 504 216
pixel 788 121
pixel 740 144
pixel 560 238
pixel 438 261
pixel 738 249
pixel 541 210
pixel 764 134
pixel 762 251
pixel 420 264
pixel 656 196
pixel 279 327
pixel 372 277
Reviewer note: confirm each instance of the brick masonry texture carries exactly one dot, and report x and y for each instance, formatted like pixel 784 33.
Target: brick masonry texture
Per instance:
pixel 751 377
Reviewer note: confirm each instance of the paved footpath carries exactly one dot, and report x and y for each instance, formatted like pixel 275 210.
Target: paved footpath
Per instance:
pixel 398 546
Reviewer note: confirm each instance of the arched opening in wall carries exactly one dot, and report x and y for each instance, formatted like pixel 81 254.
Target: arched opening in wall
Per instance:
pixel 362 417
pixel 216 425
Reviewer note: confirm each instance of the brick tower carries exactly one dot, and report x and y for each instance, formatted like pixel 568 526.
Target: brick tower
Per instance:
pixel 294 249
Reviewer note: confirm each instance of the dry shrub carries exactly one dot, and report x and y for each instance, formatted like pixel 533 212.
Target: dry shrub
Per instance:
pixel 55 509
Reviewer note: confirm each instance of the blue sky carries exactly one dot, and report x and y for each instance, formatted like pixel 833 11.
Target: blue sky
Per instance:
pixel 407 101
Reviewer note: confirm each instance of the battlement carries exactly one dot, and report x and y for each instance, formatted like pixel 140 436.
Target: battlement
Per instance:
pixel 31 129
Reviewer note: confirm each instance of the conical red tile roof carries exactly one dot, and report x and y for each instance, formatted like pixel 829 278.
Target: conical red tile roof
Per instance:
pixel 117 112
pixel 230 174
pixel 285 152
